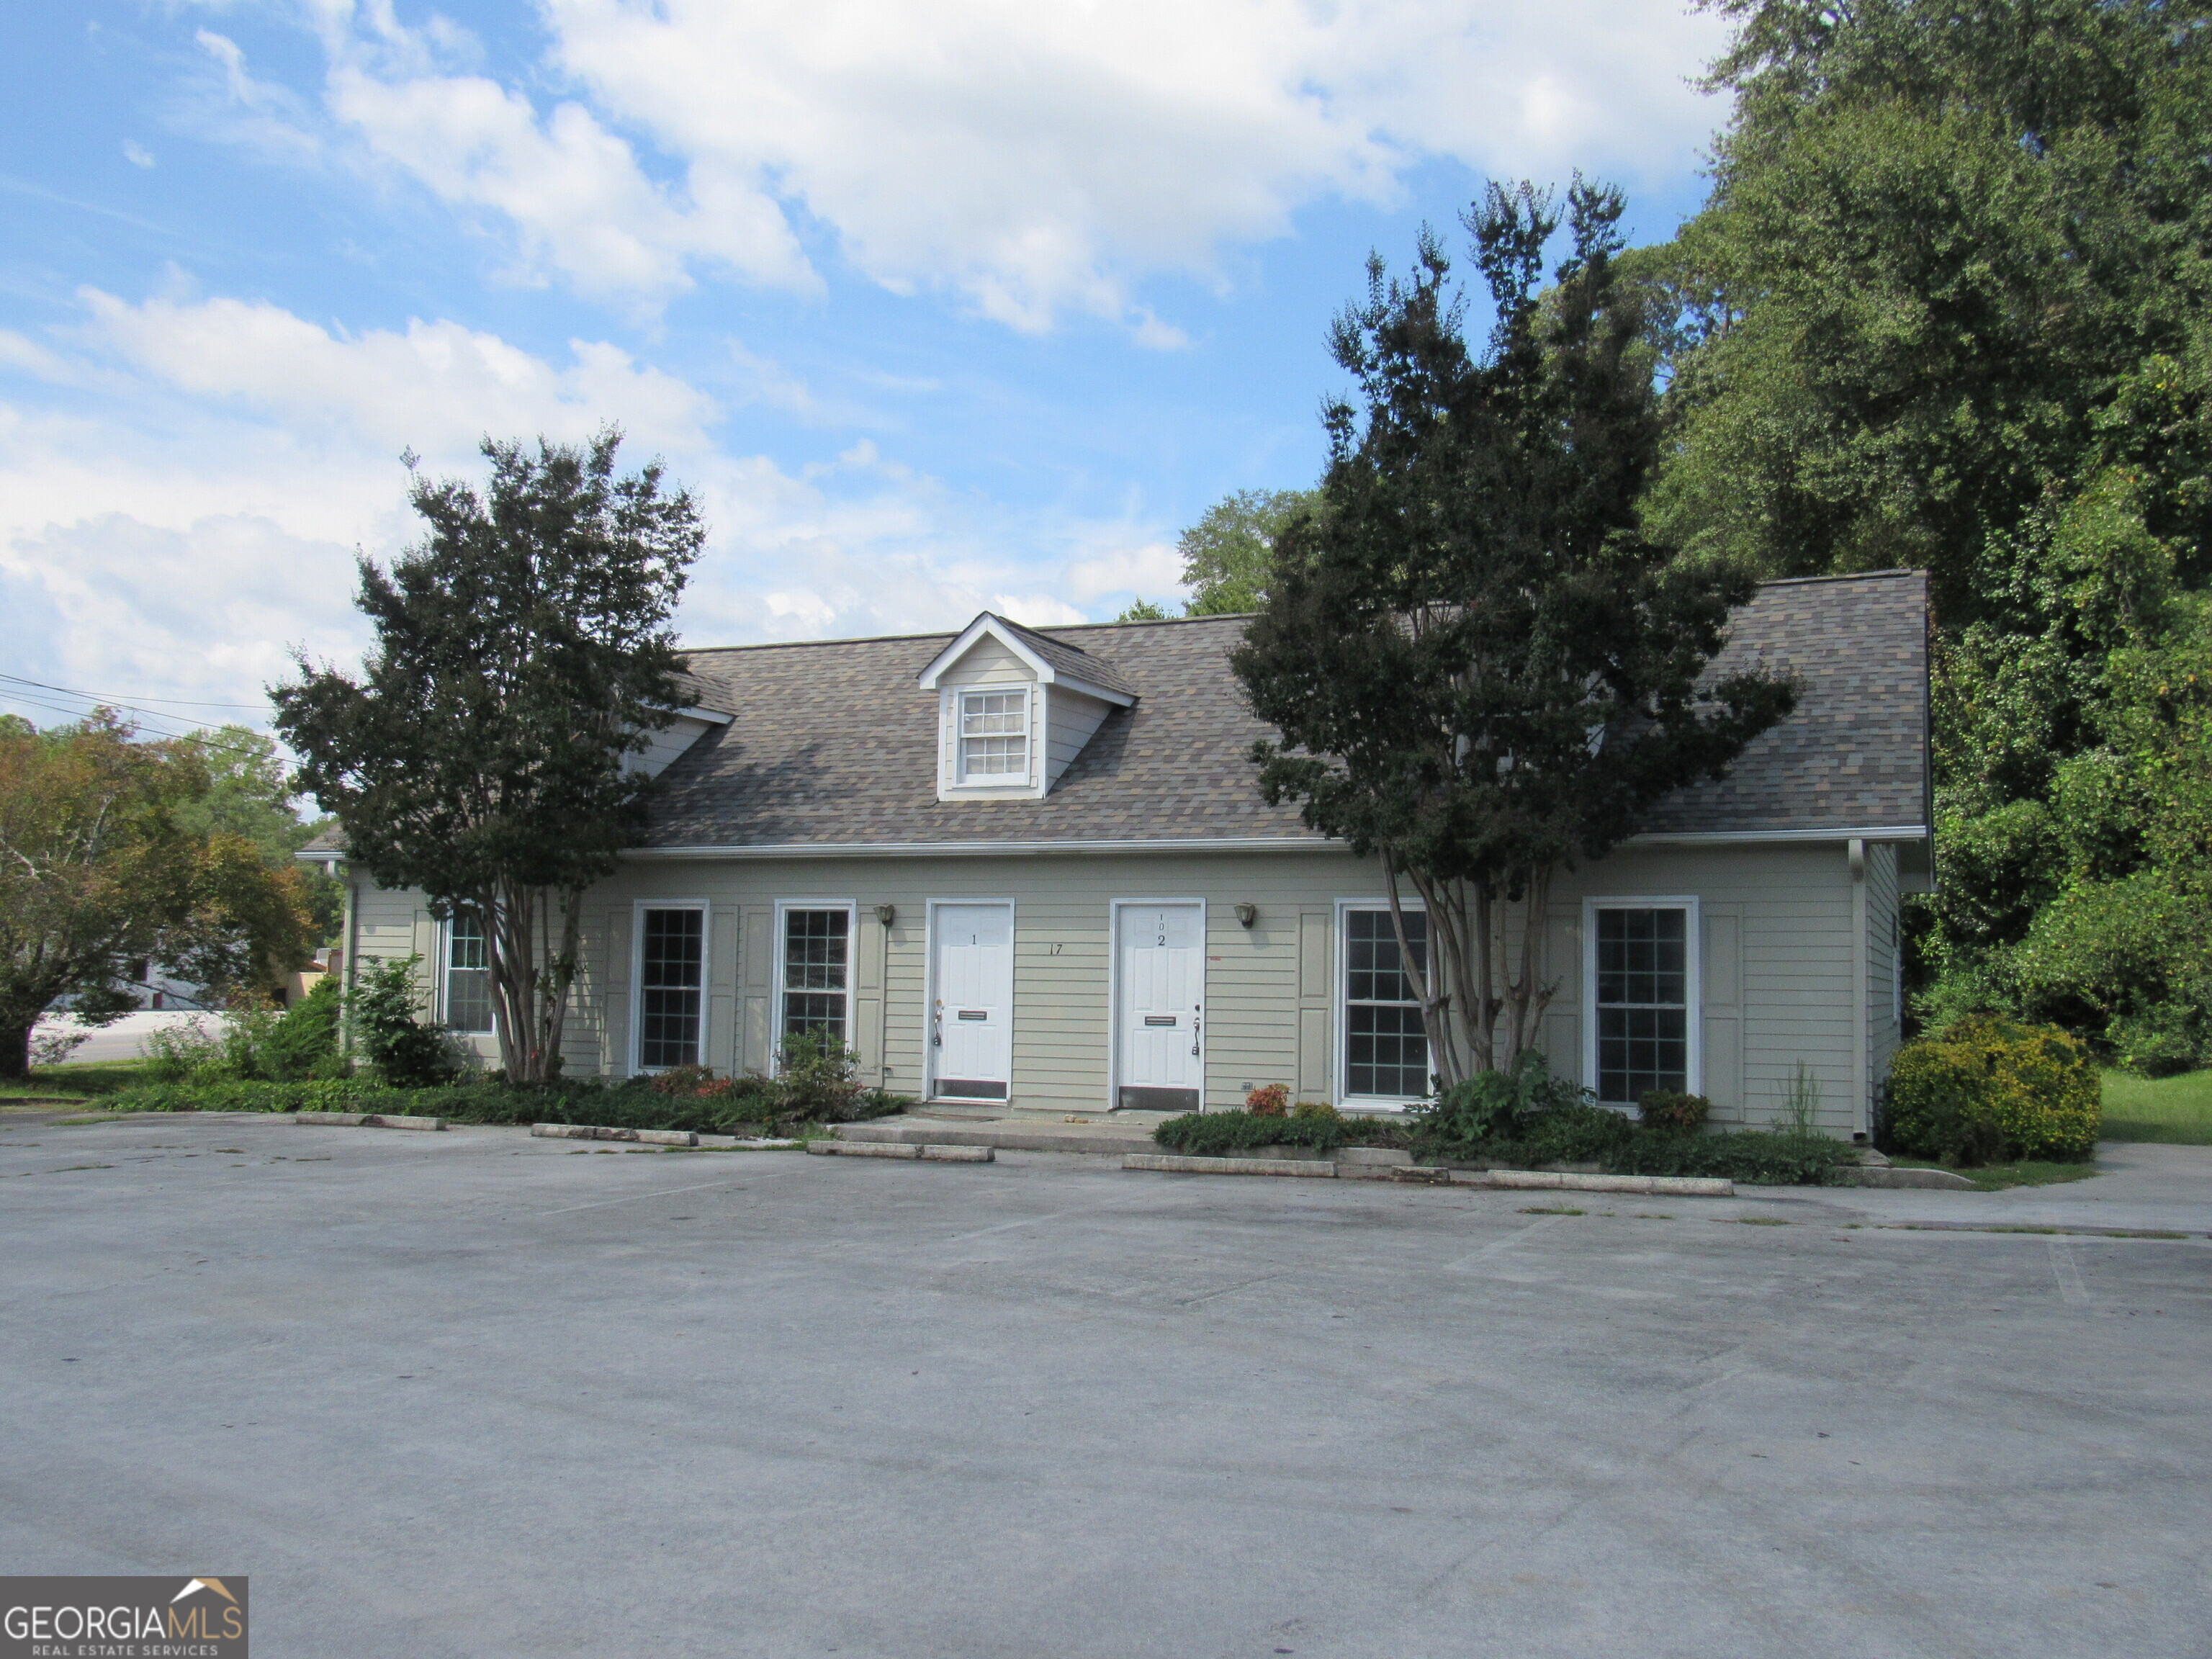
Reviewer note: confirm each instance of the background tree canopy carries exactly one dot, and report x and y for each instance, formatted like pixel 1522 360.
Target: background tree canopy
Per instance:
pixel 1950 306
pixel 110 860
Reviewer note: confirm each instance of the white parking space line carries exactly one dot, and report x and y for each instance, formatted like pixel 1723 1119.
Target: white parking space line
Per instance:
pixel 2066 1268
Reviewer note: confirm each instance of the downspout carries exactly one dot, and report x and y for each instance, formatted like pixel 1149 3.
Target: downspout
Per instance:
pixel 1862 1031
pixel 346 932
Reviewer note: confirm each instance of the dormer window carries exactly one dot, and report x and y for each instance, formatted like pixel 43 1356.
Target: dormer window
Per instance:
pixel 994 736
pixel 1015 707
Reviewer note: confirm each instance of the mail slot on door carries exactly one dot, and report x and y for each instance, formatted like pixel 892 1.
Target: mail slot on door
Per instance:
pixel 1160 1019
pixel 975 1014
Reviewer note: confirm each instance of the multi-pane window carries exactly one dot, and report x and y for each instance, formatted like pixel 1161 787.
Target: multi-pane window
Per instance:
pixel 1386 1051
pixel 1642 1003
pixel 671 987
pixel 994 743
pixel 816 972
pixel 468 973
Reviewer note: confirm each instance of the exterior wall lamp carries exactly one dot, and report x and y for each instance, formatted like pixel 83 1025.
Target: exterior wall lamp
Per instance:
pixel 1247 914
pixel 887 913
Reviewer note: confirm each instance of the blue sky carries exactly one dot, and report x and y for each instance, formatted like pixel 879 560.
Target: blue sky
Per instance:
pixel 935 305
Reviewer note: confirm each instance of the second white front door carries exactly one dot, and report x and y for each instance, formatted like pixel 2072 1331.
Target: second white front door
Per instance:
pixel 971 1013
pixel 1160 1006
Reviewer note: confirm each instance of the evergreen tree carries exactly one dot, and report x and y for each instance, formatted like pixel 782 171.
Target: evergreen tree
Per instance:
pixel 523 653
pixel 1480 670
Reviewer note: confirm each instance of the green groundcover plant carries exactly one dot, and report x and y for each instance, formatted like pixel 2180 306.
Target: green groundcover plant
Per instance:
pixel 749 1105
pixel 1526 1118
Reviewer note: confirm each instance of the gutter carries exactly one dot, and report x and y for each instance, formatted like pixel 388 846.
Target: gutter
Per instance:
pixel 1219 844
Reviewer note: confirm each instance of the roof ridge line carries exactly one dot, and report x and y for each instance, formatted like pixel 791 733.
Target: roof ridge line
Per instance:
pixel 1841 576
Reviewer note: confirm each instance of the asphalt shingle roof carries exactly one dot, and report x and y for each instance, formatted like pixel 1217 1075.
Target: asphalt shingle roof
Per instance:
pixel 1854 754
pixel 1068 657
pixel 833 744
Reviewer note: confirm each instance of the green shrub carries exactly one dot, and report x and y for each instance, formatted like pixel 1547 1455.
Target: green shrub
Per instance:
pixel 1315 1109
pixel 1229 1134
pixel 304 1042
pixel 1496 1105
pixel 816 1078
pixel 1672 1112
pixel 1755 1156
pixel 1985 1089
pixel 405 1051
pixel 747 1106
pixel 174 1053
pixel 1580 1132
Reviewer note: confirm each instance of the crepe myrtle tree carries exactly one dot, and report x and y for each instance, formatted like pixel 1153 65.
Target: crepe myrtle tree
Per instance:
pixel 523 652
pixel 1480 671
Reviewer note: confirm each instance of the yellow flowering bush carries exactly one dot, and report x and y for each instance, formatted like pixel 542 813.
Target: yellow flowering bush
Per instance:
pixel 1985 1088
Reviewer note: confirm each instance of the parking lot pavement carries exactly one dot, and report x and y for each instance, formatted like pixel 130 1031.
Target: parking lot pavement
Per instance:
pixel 470 1394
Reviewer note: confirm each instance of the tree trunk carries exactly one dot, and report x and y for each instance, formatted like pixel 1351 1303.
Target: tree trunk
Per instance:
pixel 1526 998
pixel 14 1052
pixel 1425 979
pixel 509 934
pixel 552 1012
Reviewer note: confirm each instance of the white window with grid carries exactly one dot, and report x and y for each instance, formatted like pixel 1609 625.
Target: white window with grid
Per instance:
pixel 1642 1020
pixel 468 973
pixel 1385 1046
pixel 994 737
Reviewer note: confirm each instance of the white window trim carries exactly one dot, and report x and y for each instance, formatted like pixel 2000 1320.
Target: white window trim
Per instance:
pixel 929 998
pixel 1023 696
pixel 1693 987
pixel 1340 1014
pixel 852 909
pixel 638 907
pixel 446 986
pixel 1018 785
pixel 1114 995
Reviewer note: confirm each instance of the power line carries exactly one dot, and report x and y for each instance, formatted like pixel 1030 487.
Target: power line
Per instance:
pixel 198 736
pixel 101 696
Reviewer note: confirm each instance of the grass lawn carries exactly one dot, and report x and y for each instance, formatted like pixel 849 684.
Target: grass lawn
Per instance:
pixel 2170 1108
pixel 1995 1177
pixel 90 1077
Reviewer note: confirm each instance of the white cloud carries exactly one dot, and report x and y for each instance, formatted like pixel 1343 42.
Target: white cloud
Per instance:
pixel 1039 155
pixel 184 484
pixel 1151 571
pixel 437 387
pixel 573 191
pixel 1036 157
pixel 136 154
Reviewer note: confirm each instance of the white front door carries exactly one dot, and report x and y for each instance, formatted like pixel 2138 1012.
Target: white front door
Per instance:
pixel 1160 1006
pixel 971 1015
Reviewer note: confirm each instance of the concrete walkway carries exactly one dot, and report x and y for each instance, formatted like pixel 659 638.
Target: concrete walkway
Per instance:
pixel 2143 1186
pixel 2148 1187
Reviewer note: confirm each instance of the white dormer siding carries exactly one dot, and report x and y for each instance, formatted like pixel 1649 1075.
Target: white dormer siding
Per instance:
pixel 687 728
pixel 986 672
pixel 1010 721
pixel 1070 719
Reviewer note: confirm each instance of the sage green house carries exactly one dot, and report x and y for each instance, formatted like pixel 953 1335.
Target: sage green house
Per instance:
pixel 1027 871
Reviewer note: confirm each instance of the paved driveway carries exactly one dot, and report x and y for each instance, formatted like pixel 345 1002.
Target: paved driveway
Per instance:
pixel 473 1394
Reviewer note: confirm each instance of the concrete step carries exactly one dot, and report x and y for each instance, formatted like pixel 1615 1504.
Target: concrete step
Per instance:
pixel 1006 1134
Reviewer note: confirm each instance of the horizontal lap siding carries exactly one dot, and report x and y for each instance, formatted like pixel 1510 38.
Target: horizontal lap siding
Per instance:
pixel 1783 913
